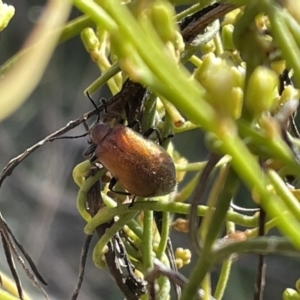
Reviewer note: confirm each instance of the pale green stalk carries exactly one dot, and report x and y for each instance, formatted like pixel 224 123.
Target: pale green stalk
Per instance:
pixel 147 246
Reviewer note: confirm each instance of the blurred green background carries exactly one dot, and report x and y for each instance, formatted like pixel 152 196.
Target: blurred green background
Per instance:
pixel 39 199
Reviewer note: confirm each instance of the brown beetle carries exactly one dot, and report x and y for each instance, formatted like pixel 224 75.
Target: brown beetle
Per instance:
pixel 142 167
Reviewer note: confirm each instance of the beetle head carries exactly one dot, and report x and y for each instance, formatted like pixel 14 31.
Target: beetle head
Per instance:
pixel 98 132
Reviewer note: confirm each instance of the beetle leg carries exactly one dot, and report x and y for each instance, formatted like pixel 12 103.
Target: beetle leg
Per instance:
pixel 89 151
pixel 135 122
pixel 112 183
pixel 158 134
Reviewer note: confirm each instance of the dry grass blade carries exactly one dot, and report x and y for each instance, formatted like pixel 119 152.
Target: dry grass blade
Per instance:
pixel 11 264
pixel 10 249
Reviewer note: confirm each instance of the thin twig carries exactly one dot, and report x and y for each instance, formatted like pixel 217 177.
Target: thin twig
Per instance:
pixel 83 256
pixel 200 190
pixel 13 163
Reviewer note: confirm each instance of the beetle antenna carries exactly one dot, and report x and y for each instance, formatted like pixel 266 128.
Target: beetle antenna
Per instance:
pixel 104 105
pixel 67 137
pixel 95 105
pixel 92 101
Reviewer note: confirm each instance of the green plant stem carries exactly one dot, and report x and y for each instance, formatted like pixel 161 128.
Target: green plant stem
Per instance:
pixel 164 235
pixel 206 286
pixel 188 11
pixel 218 44
pixel 147 246
pixel 82 195
pixel 283 36
pixel 205 262
pixel 196 61
pixel 217 188
pixel 199 166
pixel 95 12
pixel 74 27
pixel 136 228
pixel 223 279
pixel 230 185
pixel 108 235
pixel 110 203
pixel 164 288
pixel 191 167
pixel 286 195
pixel 106 214
pixel 99 82
pixel 188 189
pixel 261 245
pixel 150 111
pixel 293 26
pixel 274 147
pixel 186 127
pixel 226 268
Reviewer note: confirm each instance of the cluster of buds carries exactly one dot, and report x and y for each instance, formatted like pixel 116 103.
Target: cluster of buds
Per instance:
pixel 223 84
pixel 182 257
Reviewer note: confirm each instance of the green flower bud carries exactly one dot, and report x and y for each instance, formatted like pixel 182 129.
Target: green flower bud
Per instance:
pixel 213 143
pixel 290 294
pixel 179 42
pixel 183 254
pixel 288 94
pixel 179 263
pixel 261 91
pixel 6 13
pixel 216 74
pixel 232 17
pixel 223 84
pixel 90 42
pixel 181 174
pixel 236 103
pixel 81 171
pixel 227 32
pixel 208 47
pixel 162 16
pixel 278 66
